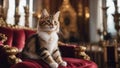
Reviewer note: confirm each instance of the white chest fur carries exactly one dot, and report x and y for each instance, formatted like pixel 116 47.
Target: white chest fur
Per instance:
pixel 50 40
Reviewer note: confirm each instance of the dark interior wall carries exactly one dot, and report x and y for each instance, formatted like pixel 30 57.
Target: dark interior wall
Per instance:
pixel 82 23
pixel 54 5
pixel 1 2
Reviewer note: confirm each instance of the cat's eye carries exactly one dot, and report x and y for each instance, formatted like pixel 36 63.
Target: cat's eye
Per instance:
pixel 42 23
pixel 48 21
pixel 55 22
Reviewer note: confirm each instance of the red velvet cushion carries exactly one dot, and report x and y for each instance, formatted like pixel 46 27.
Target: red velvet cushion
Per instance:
pixel 18 38
pixel 79 63
pixel 9 33
pixel 67 51
pixel 27 64
pixel 3 59
pixel 72 63
pixel 1 43
pixel 28 33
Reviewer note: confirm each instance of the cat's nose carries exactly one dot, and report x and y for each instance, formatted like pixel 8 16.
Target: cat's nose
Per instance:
pixel 51 26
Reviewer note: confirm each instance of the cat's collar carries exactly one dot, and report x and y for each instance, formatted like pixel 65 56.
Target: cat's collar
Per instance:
pixel 49 32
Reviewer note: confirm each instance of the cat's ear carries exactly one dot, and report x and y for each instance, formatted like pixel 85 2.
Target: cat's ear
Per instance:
pixel 44 13
pixel 56 15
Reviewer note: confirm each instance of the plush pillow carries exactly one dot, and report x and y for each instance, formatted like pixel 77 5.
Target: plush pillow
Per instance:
pixel 9 33
pixel 27 64
pixel 18 38
pixel 72 63
pixel 28 33
pixel 3 59
pixel 67 51
pixel 1 43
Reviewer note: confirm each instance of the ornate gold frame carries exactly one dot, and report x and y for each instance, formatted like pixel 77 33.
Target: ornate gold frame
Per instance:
pixel 67 11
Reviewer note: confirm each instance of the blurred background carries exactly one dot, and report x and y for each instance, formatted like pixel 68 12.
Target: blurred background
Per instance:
pixel 91 23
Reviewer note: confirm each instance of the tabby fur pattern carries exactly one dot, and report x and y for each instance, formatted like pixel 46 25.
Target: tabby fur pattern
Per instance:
pixel 44 44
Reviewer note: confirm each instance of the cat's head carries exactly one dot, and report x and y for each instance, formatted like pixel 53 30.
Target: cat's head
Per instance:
pixel 48 22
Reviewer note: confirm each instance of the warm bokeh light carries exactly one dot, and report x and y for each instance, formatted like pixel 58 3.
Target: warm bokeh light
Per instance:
pixel 87 15
pixel 39 15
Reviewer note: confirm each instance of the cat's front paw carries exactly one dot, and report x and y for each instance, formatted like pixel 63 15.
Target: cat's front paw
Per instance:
pixel 53 65
pixel 64 63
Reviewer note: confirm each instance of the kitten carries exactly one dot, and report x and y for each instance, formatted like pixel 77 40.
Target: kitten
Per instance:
pixel 44 44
